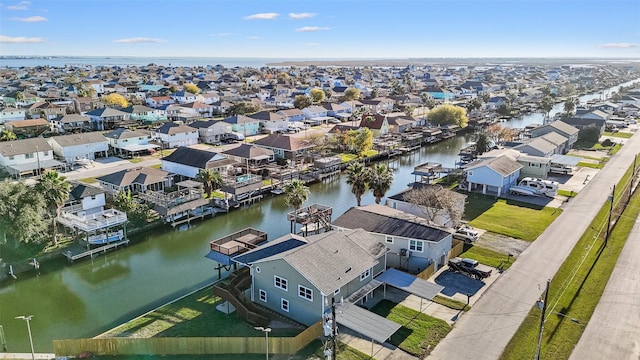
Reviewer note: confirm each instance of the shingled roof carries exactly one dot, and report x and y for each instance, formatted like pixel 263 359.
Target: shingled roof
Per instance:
pixel 193 157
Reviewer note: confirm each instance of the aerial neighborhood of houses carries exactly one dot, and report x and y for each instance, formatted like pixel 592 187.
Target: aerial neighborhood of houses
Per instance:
pixel 257 130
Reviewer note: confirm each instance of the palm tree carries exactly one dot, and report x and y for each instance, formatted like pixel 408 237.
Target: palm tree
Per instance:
pixel 380 179
pixel 216 181
pixel 55 190
pixel 546 104
pixel 205 176
pixel 570 105
pixel 296 193
pixel 357 178
pixel 7 135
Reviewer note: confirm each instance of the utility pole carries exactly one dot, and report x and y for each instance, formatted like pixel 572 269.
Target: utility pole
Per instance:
pixel 542 316
pixel 606 237
pixel 334 342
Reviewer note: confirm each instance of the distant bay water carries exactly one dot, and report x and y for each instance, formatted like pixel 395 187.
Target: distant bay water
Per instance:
pixel 61 61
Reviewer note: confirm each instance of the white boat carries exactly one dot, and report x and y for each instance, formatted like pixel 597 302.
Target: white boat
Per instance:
pixel 521 190
pixel 101 239
pixel 277 191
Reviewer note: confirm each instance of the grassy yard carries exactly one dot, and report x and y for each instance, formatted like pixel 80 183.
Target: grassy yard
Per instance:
pixel 191 316
pixel 419 332
pixel 315 350
pixel 508 217
pixel 451 303
pixel 575 289
pixel 567 193
pixel 599 165
pixel 488 257
pixel 88 180
pixel 623 135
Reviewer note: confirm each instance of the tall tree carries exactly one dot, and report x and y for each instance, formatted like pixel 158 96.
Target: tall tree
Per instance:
pixel 435 201
pixel 7 135
pixel 357 178
pixel 192 88
pixel 317 95
pixel 482 143
pixel 380 179
pixel 55 190
pixel 448 114
pixel 301 101
pixel 115 100
pixel 137 214
pixel 242 108
pixel 351 94
pixel 22 213
pixel 570 105
pixel 205 176
pixel 546 104
pixel 296 193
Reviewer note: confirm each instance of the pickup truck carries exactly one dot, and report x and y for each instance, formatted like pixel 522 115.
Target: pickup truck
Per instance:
pixel 466 233
pixel 469 267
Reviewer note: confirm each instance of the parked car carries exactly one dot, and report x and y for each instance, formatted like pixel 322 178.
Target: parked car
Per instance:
pixel 466 233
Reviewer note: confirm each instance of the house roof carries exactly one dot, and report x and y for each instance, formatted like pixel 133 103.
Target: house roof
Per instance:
pixel 135 109
pixel 249 151
pixel 193 157
pixel 334 107
pixel 171 128
pixel 273 247
pixel 382 219
pixel 26 146
pixel 267 116
pixel 376 124
pixel 503 165
pixel 285 142
pixel 202 124
pixel 124 133
pixel 28 123
pixel 239 120
pixel 291 112
pixel 71 118
pixel 80 191
pixel 106 112
pixel 141 175
pixel 333 259
pixel 554 138
pixel 564 127
pixel 79 139
pixel 539 144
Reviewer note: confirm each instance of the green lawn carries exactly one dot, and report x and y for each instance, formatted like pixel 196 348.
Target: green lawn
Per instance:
pixel 508 217
pixel 624 135
pixel 489 257
pixel 567 193
pixel 88 180
pixel 156 166
pixel 348 157
pixel 419 332
pixel 451 303
pixel 192 316
pixel 575 289
pixel 599 165
pixel 315 350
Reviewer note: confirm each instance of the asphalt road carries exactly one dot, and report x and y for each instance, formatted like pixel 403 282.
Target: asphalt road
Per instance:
pixel 484 331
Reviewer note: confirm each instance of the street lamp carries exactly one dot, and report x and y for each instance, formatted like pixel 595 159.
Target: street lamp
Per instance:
pixel 27 319
pixel 266 331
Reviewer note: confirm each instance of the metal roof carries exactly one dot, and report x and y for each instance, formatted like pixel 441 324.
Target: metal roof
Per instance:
pixel 565 159
pixel 43 164
pixel 365 322
pixel 409 283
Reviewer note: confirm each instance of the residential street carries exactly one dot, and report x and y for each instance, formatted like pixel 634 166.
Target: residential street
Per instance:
pixel 485 330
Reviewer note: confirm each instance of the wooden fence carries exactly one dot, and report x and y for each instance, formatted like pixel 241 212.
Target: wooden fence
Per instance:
pixel 457 249
pixel 428 272
pixel 188 345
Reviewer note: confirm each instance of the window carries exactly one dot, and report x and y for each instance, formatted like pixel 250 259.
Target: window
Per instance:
pixel 262 295
pixel 28 156
pixel 305 293
pixel 388 239
pixel 284 305
pixel 365 274
pixel 280 283
pixel 337 291
pixel 11 157
pixel 416 245
pixel 46 153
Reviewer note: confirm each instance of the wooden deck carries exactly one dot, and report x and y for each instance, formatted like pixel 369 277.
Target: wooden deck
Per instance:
pixel 80 252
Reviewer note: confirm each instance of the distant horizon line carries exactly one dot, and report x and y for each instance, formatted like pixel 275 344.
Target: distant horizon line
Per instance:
pixel 326 58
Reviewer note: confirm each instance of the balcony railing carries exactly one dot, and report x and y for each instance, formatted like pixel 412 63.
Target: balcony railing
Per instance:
pixel 105 219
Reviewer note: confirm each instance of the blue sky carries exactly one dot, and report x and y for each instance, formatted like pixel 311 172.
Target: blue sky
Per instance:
pixel 321 29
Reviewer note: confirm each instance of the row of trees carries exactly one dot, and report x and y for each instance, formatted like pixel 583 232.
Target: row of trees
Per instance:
pixel 378 179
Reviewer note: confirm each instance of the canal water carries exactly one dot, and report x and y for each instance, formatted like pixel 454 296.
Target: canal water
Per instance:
pixel 89 297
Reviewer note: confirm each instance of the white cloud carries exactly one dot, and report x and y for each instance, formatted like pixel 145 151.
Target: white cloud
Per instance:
pixel 220 34
pixel 31 19
pixel 138 40
pixel 312 29
pixel 619 45
pixel 253 37
pixel 22 5
pixel 20 40
pixel 301 15
pixel 262 16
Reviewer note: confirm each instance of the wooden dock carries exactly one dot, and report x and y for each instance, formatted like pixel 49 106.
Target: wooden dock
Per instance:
pixel 80 252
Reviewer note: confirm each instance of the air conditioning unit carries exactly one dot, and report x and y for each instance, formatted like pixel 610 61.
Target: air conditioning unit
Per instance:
pixel 404 253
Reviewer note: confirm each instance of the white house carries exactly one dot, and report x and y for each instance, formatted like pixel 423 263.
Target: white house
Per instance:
pixel 11 114
pixel 82 146
pixel 124 141
pixel 28 156
pixel 211 131
pixel 188 162
pixel 173 135
pixel 159 101
pixel 183 97
pixel 495 175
